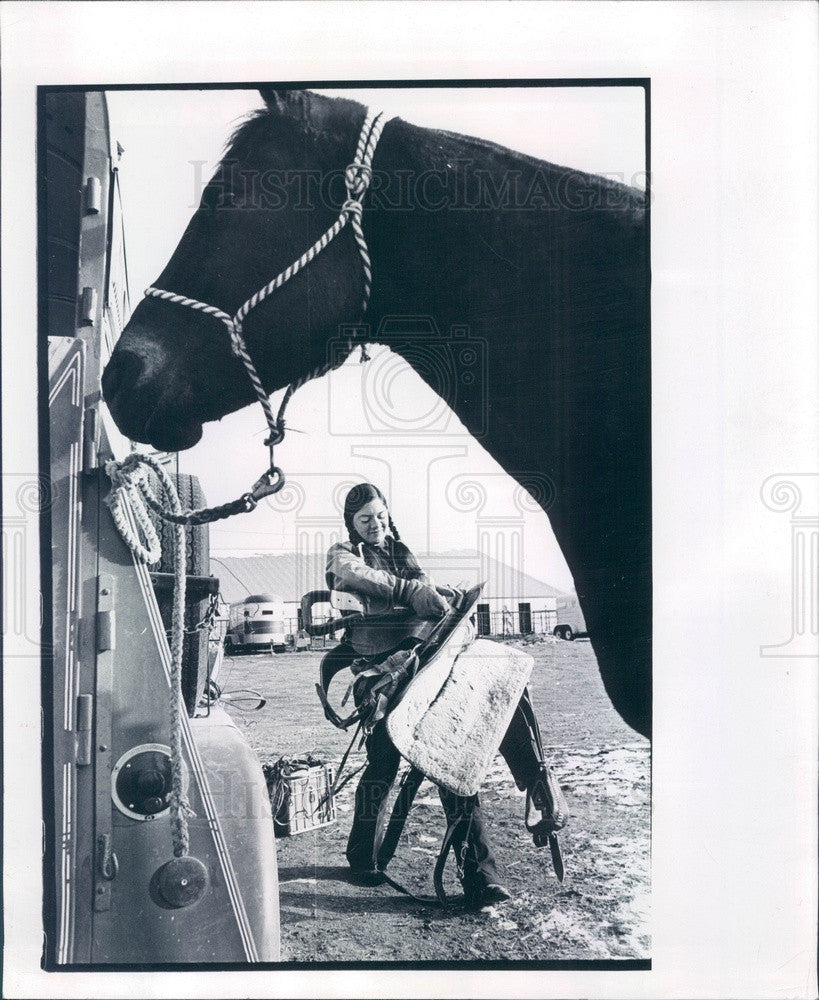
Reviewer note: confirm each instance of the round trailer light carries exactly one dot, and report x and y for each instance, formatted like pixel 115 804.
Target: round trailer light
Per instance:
pixel 141 781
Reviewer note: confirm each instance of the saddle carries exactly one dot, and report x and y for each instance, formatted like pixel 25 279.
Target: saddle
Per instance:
pixel 392 671
pixel 448 683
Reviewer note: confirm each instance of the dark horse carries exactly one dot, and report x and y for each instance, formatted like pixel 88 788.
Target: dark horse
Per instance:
pixel 547 266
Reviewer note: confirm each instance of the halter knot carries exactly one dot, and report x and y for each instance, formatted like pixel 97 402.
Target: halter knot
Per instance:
pixel 236 342
pixel 352 206
pixel 357 177
pixel 277 436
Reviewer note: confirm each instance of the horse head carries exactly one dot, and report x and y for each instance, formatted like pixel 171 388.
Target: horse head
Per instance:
pixel 279 186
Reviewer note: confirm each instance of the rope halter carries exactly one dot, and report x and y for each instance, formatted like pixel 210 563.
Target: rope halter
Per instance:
pixel 357 177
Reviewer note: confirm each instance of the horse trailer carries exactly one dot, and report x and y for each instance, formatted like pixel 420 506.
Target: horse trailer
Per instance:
pixel 119 888
pixel 257 624
pixel 570 621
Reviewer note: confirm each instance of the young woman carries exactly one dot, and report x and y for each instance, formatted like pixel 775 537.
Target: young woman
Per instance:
pixel 376 566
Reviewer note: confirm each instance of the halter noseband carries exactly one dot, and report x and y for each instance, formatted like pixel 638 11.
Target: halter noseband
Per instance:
pixel 357 177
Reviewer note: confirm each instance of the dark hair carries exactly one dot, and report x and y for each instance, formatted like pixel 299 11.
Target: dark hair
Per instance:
pixel 358 497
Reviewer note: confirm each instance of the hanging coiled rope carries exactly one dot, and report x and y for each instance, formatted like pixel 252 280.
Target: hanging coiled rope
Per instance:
pixel 130 494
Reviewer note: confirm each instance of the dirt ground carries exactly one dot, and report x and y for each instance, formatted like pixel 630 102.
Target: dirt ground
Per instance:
pixel 599 912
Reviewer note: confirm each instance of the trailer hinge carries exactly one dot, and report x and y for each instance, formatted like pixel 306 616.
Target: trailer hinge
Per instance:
pixel 93 196
pixel 90 443
pixel 88 306
pixel 85 718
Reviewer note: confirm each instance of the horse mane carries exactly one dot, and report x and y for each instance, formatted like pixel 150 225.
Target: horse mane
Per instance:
pixel 326 122
pixel 299 111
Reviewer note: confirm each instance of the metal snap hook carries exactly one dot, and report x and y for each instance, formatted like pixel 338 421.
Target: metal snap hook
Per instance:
pixel 270 482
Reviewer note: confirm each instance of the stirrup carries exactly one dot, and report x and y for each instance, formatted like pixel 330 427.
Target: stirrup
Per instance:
pixel 546 797
pixel 330 713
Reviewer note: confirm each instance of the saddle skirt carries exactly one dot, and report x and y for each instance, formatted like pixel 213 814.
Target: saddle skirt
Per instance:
pixel 452 716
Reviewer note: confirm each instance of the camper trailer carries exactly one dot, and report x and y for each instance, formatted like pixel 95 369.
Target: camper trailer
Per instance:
pixel 570 621
pixel 117 890
pixel 256 625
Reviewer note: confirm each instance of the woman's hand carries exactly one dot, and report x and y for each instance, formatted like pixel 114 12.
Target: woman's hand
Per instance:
pixel 426 602
pixel 447 592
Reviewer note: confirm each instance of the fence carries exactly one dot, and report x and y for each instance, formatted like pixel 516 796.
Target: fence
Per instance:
pixel 509 623
pixel 292 626
pixel 488 623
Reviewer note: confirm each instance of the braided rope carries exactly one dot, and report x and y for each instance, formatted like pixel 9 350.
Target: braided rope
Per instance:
pixel 183 300
pixel 126 498
pixel 131 491
pixel 357 177
pixel 129 480
pixel 284 276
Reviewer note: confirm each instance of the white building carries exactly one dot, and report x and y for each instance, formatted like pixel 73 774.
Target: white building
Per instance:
pixel 514 602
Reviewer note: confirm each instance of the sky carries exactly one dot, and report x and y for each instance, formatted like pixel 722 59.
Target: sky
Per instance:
pixel 378 421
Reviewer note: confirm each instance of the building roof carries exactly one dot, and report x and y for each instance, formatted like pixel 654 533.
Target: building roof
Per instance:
pixel 291 575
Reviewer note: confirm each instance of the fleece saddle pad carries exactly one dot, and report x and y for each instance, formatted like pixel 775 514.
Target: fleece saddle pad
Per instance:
pixel 453 715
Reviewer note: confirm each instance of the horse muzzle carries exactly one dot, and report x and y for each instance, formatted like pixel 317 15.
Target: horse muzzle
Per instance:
pixel 148 403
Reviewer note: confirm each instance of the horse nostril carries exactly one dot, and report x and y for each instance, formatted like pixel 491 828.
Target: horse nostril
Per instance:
pixel 122 371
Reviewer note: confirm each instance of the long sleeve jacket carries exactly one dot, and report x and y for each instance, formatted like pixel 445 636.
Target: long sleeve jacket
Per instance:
pixel 380 578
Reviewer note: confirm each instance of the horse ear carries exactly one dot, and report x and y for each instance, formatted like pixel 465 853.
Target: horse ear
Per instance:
pixel 286 102
pixel 320 113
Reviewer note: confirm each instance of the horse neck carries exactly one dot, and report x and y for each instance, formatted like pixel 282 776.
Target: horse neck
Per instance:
pixel 499 262
pixel 431 229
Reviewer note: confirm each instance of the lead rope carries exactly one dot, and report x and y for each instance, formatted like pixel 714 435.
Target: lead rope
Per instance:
pixel 130 489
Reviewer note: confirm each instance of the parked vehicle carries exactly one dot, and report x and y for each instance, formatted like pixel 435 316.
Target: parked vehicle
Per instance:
pixel 299 641
pixel 570 621
pixel 256 625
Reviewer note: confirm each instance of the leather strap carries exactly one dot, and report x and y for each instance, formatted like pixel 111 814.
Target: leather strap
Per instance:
pixel 385 851
pixel 464 819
